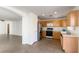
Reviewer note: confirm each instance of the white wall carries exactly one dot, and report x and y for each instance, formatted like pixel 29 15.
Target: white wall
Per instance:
pixel 29 26
pixel 29 29
pixel 16 28
pixel 3 27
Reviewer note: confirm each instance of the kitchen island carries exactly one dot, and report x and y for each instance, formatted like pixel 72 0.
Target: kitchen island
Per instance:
pixel 69 42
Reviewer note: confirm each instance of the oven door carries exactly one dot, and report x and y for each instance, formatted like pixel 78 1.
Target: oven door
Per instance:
pixel 49 33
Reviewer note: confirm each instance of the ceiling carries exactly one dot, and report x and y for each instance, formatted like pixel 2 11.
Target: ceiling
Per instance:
pixel 46 12
pixel 8 15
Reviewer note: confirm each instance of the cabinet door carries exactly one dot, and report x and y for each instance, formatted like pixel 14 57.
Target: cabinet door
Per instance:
pixel 68 20
pixel 57 23
pixel 70 44
pixel 56 35
pixel 78 18
pixel 64 23
pixel 72 18
pixel 43 34
pixel 43 23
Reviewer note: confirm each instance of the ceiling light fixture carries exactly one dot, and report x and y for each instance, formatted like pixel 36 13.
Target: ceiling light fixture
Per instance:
pixel 55 12
pixel 43 14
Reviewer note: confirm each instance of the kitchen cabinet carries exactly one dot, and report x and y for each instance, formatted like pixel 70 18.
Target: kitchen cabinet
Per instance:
pixel 78 18
pixel 43 23
pixel 43 34
pixel 64 23
pixel 61 40
pixel 56 23
pixel 70 44
pixel 73 18
pixel 56 35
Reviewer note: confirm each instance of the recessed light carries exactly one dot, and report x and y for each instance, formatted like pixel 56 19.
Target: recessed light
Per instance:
pixel 43 14
pixel 55 12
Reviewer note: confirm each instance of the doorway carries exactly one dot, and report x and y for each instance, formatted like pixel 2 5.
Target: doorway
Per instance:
pixel 8 29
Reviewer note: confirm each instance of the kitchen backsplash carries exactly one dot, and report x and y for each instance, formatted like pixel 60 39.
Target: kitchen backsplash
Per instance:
pixel 76 30
pixel 54 28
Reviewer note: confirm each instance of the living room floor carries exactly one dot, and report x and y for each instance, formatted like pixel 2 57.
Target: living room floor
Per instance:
pixel 13 44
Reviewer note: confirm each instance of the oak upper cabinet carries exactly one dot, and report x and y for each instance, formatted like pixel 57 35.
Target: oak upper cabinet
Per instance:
pixel 78 18
pixel 73 18
pixel 57 23
pixel 64 23
pixel 60 23
pixel 43 23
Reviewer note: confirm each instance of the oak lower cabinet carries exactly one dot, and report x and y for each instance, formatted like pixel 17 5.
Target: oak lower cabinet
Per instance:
pixel 43 34
pixel 61 40
pixel 56 35
pixel 70 44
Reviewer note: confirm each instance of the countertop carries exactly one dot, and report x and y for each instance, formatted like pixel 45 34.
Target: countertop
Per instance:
pixel 69 35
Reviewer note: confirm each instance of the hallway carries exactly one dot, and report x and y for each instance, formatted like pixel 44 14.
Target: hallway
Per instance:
pixel 12 44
